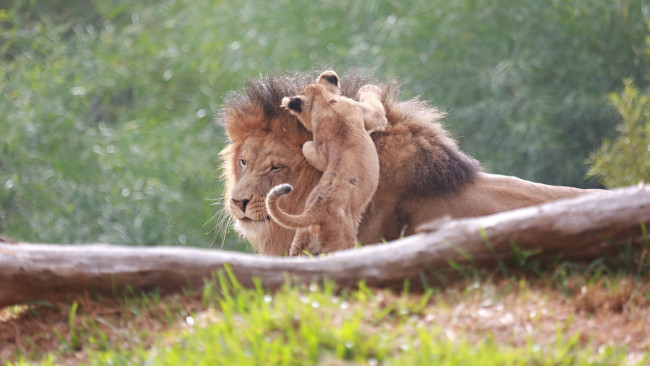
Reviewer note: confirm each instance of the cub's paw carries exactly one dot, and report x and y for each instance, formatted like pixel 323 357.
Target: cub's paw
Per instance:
pixel 375 124
pixel 295 250
pixel 368 89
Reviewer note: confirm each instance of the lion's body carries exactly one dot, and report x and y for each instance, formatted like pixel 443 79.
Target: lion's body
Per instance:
pixel 485 195
pixel 423 174
pixel 346 154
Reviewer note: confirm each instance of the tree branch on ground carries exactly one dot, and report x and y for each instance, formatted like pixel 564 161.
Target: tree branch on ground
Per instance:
pixel 582 228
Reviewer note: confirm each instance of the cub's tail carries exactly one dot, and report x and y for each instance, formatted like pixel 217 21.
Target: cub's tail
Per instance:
pixel 286 220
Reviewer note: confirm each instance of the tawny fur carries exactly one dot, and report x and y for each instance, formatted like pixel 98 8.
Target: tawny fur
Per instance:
pixel 346 154
pixel 423 174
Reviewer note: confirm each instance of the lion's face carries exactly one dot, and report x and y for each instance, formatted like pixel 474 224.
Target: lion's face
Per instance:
pixel 257 161
pixel 259 166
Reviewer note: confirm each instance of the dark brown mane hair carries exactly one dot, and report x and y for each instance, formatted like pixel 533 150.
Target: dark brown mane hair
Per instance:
pixel 430 161
pixel 267 92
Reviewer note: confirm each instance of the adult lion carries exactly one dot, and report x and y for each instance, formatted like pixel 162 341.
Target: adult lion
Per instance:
pixel 423 173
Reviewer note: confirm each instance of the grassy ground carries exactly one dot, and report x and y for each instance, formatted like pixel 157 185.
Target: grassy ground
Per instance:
pixel 571 315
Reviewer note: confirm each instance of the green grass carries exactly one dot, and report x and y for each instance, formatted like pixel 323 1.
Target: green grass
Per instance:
pixel 320 324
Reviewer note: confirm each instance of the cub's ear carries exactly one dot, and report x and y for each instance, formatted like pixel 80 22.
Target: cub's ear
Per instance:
pixel 328 78
pixel 296 105
pixel 293 104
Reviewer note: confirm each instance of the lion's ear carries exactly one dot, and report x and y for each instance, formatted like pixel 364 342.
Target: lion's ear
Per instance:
pixel 328 78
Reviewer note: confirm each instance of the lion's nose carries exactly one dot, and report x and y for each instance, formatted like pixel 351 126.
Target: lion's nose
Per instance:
pixel 241 204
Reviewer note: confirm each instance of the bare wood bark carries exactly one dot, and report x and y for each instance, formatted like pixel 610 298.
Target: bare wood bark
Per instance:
pixel 585 228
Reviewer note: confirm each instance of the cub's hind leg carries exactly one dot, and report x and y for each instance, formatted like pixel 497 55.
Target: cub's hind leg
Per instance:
pixel 340 234
pixel 374 114
pixel 306 240
pixel 300 241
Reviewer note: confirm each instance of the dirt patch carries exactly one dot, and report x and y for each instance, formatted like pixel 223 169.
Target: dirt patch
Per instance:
pixel 599 316
pixel 39 329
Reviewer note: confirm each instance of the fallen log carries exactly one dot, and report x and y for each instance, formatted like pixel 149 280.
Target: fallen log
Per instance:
pixel 583 228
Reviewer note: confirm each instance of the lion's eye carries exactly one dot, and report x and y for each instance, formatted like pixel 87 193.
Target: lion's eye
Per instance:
pixel 274 169
pixel 242 162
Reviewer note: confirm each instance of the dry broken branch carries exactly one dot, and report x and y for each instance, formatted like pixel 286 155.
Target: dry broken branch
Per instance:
pixel 582 228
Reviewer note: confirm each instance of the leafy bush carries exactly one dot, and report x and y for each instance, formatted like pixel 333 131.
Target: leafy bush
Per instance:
pixel 626 159
pixel 525 82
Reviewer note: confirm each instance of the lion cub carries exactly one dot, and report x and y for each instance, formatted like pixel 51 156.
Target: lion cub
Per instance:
pixel 343 150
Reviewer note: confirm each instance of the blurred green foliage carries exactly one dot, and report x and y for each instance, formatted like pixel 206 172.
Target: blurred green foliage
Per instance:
pixel 106 114
pixel 108 131
pixel 626 159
